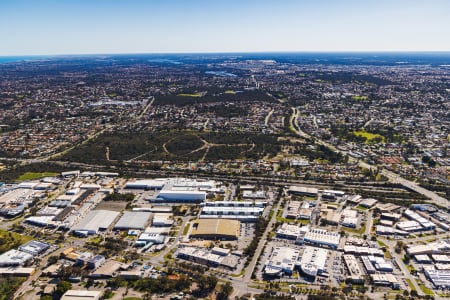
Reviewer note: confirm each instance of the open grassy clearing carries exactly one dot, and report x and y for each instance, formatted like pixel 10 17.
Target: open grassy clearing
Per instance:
pixel 10 240
pixel 359 98
pixel 369 136
pixel 191 95
pixel 33 175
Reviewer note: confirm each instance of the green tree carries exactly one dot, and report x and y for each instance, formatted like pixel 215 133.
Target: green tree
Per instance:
pixel 52 259
pixel 225 292
pixel 62 287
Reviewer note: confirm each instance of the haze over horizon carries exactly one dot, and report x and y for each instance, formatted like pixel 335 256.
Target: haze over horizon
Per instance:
pixel 51 27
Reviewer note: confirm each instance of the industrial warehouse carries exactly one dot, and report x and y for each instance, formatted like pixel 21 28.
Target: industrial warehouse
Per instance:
pixel 95 221
pixel 133 220
pixel 177 189
pixel 215 229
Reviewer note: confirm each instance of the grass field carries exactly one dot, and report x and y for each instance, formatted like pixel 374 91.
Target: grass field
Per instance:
pixel 186 229
pixel 360 207
pixel 381 244
pixel 369 136
pixel 190 95
pixel 32 175
pixel 356 231
pixel 410 283
pixel 359 98
pixel 10 240
pixel 426 290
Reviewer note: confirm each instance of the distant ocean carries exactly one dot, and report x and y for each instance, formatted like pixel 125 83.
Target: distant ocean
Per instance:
pixel 10 59
pixel 441 59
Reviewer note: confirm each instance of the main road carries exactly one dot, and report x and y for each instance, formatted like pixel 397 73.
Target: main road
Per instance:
pixel 251 267
pixel 436 199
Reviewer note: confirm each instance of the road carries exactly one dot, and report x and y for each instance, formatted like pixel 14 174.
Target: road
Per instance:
pixel 368 123
pixel 149 103
pixel 267 118
pixel 251 267
pixel 401 265
pixel 159 259
pixel 293 122
pixel 436 199
pixel 369 222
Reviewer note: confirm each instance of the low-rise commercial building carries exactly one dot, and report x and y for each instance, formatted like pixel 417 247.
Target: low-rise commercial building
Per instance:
pixel 244 214
pixel 332 194
pixel 96 261
pixel 440 246
pixel 81 295
pixel 14 258
pixel 360 251
pixel 385 230
pixel 424 223
pixel 355 272
pixel 162 220
pixel 206 257
pixel 303 191
pixel 290 232
pixel 154 238
pixel 34 247
pixel 439 278
pixel 313 261
pixel 423 259
pixel 370 269
pixel 440 258
pixel 17 271
pixel 385 280
pixel 322 237
pixel 409 226
pixel 282 260
pixel 293 209
pixel 368 203
pixel 350 222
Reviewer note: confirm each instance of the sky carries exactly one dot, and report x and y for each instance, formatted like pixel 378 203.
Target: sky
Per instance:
pixel 49 27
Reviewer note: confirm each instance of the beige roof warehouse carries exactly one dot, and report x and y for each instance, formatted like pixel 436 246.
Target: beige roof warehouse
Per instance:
pixel 215 229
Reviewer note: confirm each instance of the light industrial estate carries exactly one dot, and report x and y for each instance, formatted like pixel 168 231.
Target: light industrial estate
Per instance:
pixel 109 227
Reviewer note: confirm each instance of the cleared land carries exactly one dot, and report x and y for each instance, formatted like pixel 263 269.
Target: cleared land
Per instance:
pixel 112 205
pixel 33 175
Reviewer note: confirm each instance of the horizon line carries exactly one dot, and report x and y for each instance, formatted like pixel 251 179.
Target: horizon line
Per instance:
pixel 237 52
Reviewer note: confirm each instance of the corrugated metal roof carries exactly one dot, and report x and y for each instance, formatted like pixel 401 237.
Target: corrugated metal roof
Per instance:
pixel 133 220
